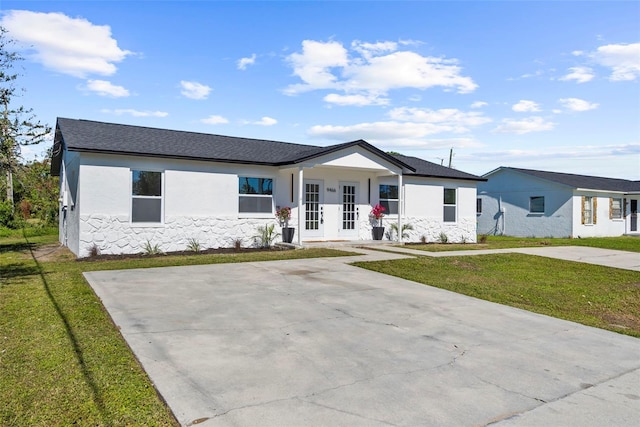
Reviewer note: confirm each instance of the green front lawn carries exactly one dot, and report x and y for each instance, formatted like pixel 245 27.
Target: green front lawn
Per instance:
pixel 622 243
pixel 593 295
pixel 62 360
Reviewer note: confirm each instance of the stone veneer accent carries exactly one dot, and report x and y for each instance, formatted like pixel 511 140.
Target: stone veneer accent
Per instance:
pixel 463 231
pixel 114 235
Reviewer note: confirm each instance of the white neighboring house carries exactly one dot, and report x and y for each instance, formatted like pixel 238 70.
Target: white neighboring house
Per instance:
pixel 123 186
pixel 533 203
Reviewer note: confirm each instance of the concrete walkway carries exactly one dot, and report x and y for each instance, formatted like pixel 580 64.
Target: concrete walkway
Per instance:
pixel 319 342
pixel 605 257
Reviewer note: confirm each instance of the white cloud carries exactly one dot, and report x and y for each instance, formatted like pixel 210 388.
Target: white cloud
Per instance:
pixel 585 152
pixel 577 104
pixel 407 127
pixel 623 59
pixel 479 104
pixel 358 100
pixel 136 113
pixel 214 120
pixel 525 106
pixel 454 120
pixel 67 45
pixel 105 88
pixel 194 90
pixel 579 74
pixel 522 126
pixel 244 62
pixel 265 121
pixel 371 71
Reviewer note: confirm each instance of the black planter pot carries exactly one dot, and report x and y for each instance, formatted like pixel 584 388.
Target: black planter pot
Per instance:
pixel 378 232
pixel 287 234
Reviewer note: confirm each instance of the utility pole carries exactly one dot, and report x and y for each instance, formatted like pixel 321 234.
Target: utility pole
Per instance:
pixel 450 157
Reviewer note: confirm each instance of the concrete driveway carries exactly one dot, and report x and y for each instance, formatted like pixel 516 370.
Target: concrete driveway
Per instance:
pixel 319 342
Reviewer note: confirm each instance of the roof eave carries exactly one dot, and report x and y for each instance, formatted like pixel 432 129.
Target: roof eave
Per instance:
pixel 170 156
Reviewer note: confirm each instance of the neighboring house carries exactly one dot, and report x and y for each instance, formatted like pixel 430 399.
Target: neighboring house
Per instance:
pixel 123 186
pixel 533 203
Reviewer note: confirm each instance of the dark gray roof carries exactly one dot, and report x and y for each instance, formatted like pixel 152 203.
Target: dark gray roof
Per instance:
pixel 583 181
pixel 429 169
pixel 112 138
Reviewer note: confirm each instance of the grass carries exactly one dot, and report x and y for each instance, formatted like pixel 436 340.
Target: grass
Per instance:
pixel 623 243
pixel 62 360
pixel 602 297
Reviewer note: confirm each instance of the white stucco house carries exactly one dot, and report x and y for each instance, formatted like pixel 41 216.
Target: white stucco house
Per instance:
pixel 534 203
pixel 123 186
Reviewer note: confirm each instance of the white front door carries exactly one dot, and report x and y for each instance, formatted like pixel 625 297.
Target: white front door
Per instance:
pixel 349 210
pixel 314 209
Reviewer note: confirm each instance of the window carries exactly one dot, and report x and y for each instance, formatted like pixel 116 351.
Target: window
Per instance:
pixel 478 206
pixel 615 208
pixel 589 206
pixel 449 205
pixel 255 195
pixel 146 196
pixel 536 204
pixel 389 198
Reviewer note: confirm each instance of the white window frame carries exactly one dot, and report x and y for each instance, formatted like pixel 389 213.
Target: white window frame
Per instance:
pixel 449 205
pixel 479 206
pixel 160 197
pixel 620 208
pixel 397 200
pixel 539 212
pixel 588 201
pixel 266 196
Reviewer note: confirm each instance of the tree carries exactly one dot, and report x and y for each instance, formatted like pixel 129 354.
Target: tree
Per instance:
pixel 18 125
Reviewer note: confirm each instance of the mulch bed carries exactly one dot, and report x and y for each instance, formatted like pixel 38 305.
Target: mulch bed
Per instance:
pixel 210 251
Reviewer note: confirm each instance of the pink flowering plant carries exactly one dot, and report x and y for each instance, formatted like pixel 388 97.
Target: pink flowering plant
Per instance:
pixel 283 215
pixel 378 213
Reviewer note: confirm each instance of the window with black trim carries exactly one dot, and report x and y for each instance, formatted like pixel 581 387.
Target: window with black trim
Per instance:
pixel 146 196
pixel 536 204
pixel 449 205
pixel 389 198
pixel 478 206
pixel 255 195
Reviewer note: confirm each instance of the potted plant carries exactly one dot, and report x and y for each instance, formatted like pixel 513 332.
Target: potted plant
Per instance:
pixel 284 215
pixel 377 213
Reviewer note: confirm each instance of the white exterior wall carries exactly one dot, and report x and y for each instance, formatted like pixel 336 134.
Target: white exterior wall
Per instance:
pixel 69 223
pixel 200 201
pixel 424 210
pixel 603 226
pixel 505 208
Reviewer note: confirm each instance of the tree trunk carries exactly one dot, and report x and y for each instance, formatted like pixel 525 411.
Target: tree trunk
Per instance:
pixel 10 188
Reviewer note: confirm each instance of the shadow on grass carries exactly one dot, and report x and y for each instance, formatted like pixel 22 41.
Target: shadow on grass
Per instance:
pixel 16 247
pixel 17 270
pixel 97 396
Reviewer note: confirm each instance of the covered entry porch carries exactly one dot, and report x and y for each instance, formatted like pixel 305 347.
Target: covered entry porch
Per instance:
pixel 332 195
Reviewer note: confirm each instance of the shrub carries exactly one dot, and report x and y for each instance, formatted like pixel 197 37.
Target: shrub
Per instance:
pixel 193 245
pixel 394 230
pixel 443 238
pixel 150 249
pixel 266 235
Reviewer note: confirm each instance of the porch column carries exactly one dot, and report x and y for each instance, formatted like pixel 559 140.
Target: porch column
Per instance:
pixel 301 212
pixel 400 207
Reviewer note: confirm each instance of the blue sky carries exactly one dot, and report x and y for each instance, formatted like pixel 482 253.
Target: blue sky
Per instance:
pixel 541 85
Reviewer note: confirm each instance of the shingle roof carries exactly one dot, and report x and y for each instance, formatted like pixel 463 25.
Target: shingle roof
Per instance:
pixel 429 169
pixel 582 181
pixel 112 138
